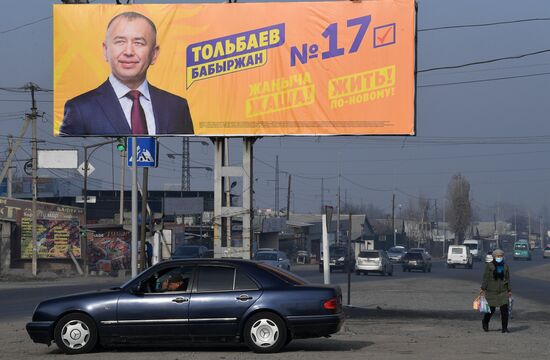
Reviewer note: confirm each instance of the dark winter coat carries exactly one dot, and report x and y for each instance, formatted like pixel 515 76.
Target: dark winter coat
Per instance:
pixel 496 290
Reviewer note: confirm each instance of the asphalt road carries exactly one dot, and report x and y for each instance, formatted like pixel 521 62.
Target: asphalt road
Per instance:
pixel 531 289
pixel 19 303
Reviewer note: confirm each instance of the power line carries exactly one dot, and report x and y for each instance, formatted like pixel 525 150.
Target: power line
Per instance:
pixel 483 80
pixel 483 24
pixel 25 25
pixel 513 57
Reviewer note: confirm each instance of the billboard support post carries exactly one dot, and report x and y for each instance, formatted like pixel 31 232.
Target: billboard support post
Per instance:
pixel 222 172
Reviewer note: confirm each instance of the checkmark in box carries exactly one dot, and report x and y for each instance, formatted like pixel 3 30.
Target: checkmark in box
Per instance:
pixel 384 35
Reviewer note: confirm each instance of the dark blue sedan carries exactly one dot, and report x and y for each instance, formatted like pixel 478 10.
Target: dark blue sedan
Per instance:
pixel 181 301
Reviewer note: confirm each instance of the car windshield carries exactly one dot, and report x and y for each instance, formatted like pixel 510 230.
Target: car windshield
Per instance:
pixel 266 256
pixel 471 246
pixel 187 251
pixel 412 256
pixel 337 251
pixel 417 250
pixel 284 275
pixel 457 251
pixel 521 247
pixel 396 250
pixel 369 254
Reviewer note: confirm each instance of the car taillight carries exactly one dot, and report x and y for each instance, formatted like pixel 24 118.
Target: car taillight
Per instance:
pixel 331 304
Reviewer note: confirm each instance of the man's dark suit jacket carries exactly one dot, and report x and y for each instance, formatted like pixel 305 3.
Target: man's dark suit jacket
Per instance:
pixel 98 112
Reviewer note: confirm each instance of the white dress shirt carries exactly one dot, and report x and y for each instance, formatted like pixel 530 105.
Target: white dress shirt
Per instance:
pixel 126 103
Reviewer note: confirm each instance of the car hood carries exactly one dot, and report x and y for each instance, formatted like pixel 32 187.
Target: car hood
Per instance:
pixel 90 302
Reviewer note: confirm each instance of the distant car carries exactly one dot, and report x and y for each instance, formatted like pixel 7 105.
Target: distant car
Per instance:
pixel 191 252
pixel 546 252
pixel 489 256
pixel 459 255
pixel 522 250
pixel 421 250
pixel 339 258
pixel 370 261
pixel 475 246
pixel 273 257
pixel 189 301
pixel 416 261
pixel 396 253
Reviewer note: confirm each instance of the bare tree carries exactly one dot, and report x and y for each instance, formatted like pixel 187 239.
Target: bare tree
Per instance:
pixel 459 209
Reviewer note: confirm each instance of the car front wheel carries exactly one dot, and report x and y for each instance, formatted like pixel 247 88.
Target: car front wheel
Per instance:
pixel 265 333
pixel 75 334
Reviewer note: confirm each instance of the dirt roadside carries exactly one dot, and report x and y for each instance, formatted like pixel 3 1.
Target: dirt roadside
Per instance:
pixel 420 318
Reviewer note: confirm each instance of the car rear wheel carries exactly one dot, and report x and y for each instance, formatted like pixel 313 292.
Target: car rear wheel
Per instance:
pixel 75 334
pixel 265 333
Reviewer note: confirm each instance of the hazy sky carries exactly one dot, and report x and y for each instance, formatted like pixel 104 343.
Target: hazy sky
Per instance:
pixel 496 133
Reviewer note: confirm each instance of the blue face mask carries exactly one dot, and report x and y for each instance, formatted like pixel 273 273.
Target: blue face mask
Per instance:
pixel 499 260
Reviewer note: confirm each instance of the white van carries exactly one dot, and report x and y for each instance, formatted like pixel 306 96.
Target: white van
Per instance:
pixel 459 255
pixel 476 248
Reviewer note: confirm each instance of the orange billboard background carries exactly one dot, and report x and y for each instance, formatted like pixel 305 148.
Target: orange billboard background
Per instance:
pixel 256 69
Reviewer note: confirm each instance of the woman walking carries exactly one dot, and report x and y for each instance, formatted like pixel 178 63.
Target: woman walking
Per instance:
pixel 496 289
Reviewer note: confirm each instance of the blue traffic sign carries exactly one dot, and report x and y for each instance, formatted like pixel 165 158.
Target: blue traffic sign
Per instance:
pixel 147 151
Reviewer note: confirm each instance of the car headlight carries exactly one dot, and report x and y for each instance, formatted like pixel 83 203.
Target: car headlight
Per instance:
pixel 341 259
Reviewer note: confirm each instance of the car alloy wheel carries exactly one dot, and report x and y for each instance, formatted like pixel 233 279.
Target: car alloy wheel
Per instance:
pixel 265 333
pixel 75 334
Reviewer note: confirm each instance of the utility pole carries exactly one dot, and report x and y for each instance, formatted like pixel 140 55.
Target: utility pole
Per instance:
pixel 10 149
pixel 144 215
pixel 227 183
pixel 515 224
pixel 34 187
pixel 529 226
pixel 348 269
pixel 322 194
pixel 122 172
pixel 444 227
pixel 277 185
pixel 541 237
pixel 394 230
pixel 134 208
pixel 288 197
pixel 338 212
pixel 185 165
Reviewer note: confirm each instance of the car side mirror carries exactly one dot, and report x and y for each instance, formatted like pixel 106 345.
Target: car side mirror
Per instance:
pixel 137 288
pixel 281 259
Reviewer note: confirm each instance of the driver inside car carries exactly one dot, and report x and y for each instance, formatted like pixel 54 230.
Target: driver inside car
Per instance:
pixel 175 282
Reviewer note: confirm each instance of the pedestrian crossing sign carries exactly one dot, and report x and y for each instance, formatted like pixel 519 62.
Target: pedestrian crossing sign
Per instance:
pixel 147 151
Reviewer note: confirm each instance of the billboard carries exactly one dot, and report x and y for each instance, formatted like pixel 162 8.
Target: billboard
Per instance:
pixel 246 69
pixel 57 227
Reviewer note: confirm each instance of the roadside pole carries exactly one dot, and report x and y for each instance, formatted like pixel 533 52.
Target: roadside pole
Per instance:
pixel 134 207
pixel 326 258
pixel 349 259
pixel 34 185
pixel 144 217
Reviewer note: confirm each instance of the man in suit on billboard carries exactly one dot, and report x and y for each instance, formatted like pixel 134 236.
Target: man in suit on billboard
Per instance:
pixel 126 104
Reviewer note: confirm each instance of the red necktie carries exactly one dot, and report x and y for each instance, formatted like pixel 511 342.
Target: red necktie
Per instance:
pixel 137 115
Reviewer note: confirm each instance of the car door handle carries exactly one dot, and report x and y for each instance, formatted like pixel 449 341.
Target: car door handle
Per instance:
pixel 180 300
pixel 244 297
